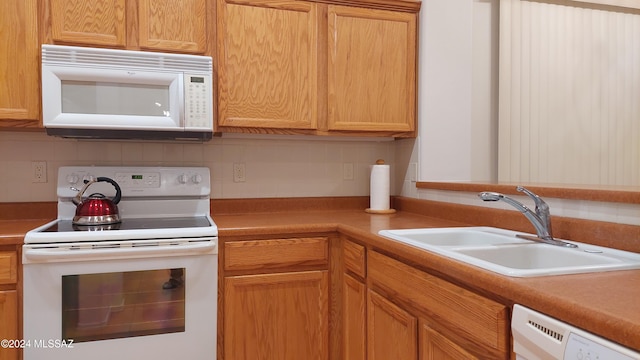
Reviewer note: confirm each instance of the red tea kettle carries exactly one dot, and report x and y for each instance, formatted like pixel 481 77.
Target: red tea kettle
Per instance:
pixel 97 209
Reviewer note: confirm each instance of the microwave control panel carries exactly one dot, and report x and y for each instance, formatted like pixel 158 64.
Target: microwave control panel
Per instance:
pixel 197 101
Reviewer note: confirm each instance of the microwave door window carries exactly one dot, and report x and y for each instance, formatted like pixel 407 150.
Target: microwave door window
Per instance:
pixel 91 97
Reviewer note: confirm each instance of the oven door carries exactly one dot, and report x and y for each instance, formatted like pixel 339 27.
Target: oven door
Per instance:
pixel 153 299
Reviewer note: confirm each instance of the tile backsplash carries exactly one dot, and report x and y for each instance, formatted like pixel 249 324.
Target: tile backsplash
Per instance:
pixel 274 166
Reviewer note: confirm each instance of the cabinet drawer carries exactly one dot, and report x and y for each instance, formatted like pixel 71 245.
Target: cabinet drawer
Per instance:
pixel 464 313
pixel 354 258
pixel 8 267
pixel 276 253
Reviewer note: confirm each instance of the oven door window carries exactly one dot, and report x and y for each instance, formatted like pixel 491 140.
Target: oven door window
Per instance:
pixel 122 304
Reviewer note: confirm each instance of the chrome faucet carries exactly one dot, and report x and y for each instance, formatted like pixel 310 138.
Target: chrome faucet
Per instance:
pixel 541 218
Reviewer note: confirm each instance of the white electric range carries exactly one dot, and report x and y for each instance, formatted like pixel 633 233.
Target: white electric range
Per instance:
pixel 143 287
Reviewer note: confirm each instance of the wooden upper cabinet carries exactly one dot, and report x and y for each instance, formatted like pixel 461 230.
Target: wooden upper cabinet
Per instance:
pixel 267 64
pixel 173 25
pixel 101 22
pixel 372 69
pixel 311 68
pixel 19 65
pixel 164 25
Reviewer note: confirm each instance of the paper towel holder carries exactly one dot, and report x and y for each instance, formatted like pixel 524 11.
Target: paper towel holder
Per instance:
pixel 373 211
pixel 380 211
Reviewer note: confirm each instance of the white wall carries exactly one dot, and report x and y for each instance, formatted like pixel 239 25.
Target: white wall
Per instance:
pixel 458 111
pixel 458 90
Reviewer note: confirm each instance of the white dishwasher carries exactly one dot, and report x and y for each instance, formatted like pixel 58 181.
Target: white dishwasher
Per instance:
pixel 539 337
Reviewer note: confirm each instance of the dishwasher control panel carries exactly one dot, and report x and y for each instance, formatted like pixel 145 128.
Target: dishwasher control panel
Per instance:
pixel 581 348
pixel 537 336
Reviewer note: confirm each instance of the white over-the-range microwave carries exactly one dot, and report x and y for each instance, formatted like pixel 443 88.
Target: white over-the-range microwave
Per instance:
pixel 123 94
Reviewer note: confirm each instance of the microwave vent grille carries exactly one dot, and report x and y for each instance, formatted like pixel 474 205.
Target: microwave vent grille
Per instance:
pixel 124 59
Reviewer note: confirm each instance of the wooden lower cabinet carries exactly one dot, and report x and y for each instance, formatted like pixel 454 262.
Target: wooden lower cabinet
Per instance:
pixel 411 314
pixel 9 322
pixel 322 297
pixel 391 331
pixel 9 326
pixel 275 302
pixel 458 323
pixel 435 346
pixel 354 330
pixel 277 316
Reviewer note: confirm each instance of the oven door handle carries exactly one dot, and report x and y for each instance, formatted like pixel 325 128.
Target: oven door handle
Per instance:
pixel 103 252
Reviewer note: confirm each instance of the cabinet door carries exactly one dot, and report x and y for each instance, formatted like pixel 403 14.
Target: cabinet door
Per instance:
pixel 277 316
pixel 372 70
pixel 100 22
pixel 354 319
pixel 477 323
pixel 8 267
pixel 435 346
pixel 173 25
pixel 9 323
pixel 19 65
pixel 391 331
pixel 268 66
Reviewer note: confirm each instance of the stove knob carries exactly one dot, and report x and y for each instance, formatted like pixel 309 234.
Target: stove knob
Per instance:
pixel 87 178
pixel 182 179
pixel 72 179
pixel 197 178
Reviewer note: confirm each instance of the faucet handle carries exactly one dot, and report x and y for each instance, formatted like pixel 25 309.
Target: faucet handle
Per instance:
pixel 540 204
pixel 542 208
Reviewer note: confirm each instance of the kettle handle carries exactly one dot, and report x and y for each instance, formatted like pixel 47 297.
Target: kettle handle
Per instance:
pixel 77 200
pixel 116 199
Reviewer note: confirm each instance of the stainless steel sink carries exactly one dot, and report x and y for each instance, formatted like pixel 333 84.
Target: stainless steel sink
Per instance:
pixel 500 251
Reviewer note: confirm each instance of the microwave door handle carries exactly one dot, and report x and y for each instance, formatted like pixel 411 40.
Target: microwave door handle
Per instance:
pixel 182 99
pixel 58 254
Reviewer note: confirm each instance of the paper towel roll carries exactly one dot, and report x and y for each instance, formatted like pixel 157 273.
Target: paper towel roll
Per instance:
pixel 379 189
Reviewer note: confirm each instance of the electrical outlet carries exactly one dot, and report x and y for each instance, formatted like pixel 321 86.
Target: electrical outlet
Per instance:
pixel 347 171
pixel 39 171
pixel 238 172
pixel 413 172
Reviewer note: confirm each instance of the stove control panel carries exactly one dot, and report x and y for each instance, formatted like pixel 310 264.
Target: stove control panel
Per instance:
pixel 138 181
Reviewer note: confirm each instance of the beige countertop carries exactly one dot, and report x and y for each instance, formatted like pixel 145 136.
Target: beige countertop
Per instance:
pixel 12 231
pixel 607 303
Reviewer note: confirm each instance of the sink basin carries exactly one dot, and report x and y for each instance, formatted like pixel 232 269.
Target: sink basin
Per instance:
pixel 454 237
pixel 500 251
pixel 542 259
